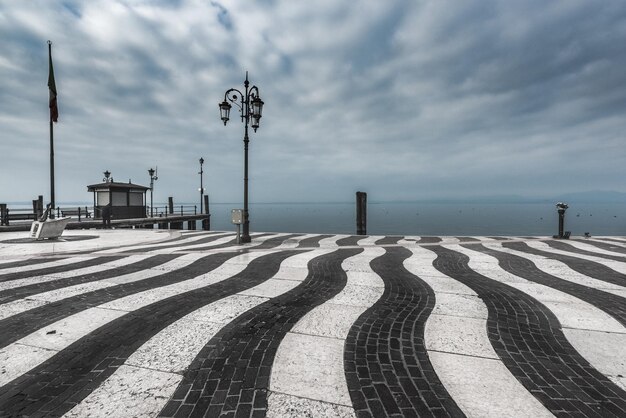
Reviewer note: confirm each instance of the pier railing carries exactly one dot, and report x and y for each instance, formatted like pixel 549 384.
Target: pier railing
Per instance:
pixel 178 210
pixel 90 213
pixel 8 215
pixel 76 211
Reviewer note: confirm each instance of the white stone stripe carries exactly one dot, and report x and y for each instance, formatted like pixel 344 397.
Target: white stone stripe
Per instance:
pixel 175 264
pixel 22 305
pixel 81 323
pixel 181 242
pixel 294 241
pixel 460 351
pixel 139 400
pixel 32 350
pixel 477 387
pixel 230 268
pixel 620 244
pixel 50 264
pixel 319 374
pixel 287 406
pixel 449 240
pixel 331 242
pixel 208 245
pixel 12 284
pixel 612 264
pixel 594 249
pixel 370 240
pixel 171 350
pixel 223 240
pixel 409 240
pixel 562 271
pixel 483 238
pixel 620 239
pixel 12 260
pixel 572 313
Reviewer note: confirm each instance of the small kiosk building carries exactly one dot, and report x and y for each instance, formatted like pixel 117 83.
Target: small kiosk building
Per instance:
pixel 127 199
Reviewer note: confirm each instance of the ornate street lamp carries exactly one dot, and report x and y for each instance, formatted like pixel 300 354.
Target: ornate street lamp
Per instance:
pixel 106 178
pixel 201 188
pixel 250 108
pixel 153 178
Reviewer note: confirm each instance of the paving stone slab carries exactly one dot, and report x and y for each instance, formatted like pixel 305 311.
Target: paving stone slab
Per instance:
pixel 175 323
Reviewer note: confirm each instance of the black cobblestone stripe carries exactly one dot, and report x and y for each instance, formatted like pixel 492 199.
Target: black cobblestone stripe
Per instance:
pixel 387 367
pixel 570 248
pixel 603 245
pixel 500 238
pixel 350 241
pixel 120 248
pixel 588 268
pixel 429 240
pixel 467 239
pixel 55 386
pixel 29 262
pixel 528 339
pixel 390 240
pixel 18 326
pixel 33 289
pixel 175 243
pixel 228 244
pixel 623 241
pixel 275 242
pixel 52 270
pixel 231 374
pixel 312 241
pixel 522 267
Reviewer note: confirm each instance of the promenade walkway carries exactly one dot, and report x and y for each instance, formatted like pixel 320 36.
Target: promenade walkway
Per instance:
pixel 143 323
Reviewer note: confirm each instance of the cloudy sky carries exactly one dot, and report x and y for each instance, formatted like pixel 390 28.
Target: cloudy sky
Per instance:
pixel 406 100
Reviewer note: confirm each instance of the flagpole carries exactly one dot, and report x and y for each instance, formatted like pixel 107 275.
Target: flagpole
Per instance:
pixel 52 202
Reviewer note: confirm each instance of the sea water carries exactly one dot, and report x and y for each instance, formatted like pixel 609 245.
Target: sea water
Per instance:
pixel 517 219
pixel 456 219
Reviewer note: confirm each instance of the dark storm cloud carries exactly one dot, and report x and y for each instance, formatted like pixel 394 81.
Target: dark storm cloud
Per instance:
pixel 403 99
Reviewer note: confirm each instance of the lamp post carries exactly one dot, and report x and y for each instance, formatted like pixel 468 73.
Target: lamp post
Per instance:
pixel 201 188
pixel 250 107
pixel 153 177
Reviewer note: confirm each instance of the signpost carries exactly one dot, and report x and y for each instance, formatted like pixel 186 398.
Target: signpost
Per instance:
pixel 237 219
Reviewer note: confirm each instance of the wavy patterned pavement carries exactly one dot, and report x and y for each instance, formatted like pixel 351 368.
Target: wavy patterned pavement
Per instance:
pixel 135 323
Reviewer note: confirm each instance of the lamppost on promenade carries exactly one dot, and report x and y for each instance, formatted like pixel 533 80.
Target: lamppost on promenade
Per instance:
pixel 201 188
pixel 250 107
pixel 153 178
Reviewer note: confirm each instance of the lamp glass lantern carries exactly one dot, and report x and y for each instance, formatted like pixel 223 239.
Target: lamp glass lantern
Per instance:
pixel 225 111
pixel 257 107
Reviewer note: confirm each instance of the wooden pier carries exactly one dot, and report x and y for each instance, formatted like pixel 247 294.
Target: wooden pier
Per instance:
pixel 160 222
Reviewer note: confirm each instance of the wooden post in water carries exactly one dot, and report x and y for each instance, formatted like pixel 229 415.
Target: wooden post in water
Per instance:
pixel 361 213
pixel 206 223
pixel 3 213
pixel 39 206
